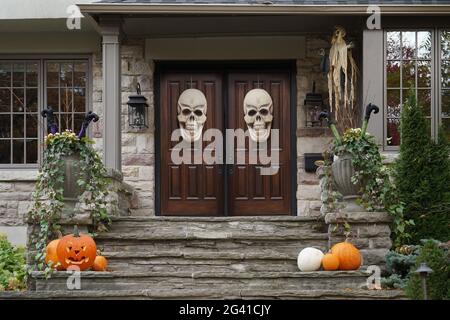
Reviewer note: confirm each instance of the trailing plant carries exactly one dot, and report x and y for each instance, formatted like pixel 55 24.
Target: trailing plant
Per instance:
pixel 438 282
pixel 12 266
pixel 423 175
pixel 378 192
pixel 48 195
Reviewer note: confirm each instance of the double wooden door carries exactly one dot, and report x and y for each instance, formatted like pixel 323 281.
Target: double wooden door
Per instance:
pixel 201 189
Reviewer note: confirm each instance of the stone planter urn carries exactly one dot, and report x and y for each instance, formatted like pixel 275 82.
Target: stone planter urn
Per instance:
pixel 72 172
pixel 343 170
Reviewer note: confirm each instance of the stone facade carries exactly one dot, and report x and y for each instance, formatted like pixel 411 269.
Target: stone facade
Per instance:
pixel 310 140
pixel 138 146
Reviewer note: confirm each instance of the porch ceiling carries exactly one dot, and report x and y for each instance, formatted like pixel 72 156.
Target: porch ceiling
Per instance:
pixel 176 26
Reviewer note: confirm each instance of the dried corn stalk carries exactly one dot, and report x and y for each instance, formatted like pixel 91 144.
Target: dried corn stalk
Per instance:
pixel 342 78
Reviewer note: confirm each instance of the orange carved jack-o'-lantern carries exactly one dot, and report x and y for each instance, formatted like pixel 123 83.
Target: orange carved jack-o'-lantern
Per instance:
pixel 76 251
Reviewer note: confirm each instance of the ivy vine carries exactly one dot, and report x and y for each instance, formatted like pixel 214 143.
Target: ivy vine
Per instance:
pixel 378 192
pixel 48 196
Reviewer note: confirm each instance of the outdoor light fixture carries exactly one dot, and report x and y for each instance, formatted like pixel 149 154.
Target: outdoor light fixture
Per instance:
pixel 313 106
pixel 423 271
pixel 137 110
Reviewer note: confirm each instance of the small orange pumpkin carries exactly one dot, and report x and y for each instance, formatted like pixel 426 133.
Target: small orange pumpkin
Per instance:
pixel 51 255
pixel 100 263
pixel 76 251
pixel 330 262
pixel 349 256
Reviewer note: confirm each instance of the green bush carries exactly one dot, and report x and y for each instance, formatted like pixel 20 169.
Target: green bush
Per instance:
pixel 399 263
pixel 438 282
pixel 422 175
pixel 12 266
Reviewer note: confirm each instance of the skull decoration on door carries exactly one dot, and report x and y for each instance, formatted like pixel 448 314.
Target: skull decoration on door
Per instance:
pixel 258 108
pixel 192 107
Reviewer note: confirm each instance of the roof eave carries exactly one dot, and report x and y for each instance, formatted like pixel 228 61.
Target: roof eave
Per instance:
pixel 254 9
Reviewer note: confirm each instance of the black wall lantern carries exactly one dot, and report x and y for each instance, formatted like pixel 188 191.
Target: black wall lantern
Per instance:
pixel 137 110
pixel 313 107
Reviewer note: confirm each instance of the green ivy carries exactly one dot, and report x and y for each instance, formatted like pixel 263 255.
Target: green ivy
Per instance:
pixel 378 192
pixel 48 195
pixel 12 266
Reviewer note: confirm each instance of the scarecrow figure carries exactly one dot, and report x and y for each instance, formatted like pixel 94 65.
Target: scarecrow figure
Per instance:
pixel 341 76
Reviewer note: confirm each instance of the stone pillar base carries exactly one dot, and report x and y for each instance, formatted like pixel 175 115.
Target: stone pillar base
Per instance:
pixel 369 232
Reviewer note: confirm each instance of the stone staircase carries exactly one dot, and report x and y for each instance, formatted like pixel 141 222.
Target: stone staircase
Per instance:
pixel 210 257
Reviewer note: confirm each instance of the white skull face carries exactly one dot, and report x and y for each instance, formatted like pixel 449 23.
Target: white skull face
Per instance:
pixel 191 114
pixel 258 108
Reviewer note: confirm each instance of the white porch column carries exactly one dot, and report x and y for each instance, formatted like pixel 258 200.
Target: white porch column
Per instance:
pixel 110 30
pixel 373 79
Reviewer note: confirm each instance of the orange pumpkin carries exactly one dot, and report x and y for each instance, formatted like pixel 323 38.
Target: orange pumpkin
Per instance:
pixel 51 255
pixel 100 263
pixel 76 251
pixel 348 255
pixel 330 262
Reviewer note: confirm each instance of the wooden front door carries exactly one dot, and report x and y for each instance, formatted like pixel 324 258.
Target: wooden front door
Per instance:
pixel 224 189
pixel 189 189
pixel 251 193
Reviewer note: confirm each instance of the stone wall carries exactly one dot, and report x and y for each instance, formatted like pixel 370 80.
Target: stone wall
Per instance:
pixel 138 146
pixel 310 140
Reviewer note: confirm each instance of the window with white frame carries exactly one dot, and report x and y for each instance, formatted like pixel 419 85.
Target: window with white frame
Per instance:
pixel 26 87
pixel 417 60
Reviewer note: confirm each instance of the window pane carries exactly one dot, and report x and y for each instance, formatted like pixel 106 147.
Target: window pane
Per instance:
pixel 32 75
pixel 424 74
pixel 445 103
pixel 446 127
pixel 66 100
pixel 32 125
pixel 18 126
pixel 393 74
pixel 445 74
pixel 18 74
pixel 408 45
pixel 79 99
pixel 5 126
pixel 424 45
pixel 393 104
pixel 32 100
pixel 424 100
pixel 80 74
pixel 5 74
pixel 52 74
pixel 445 44
pixel 78 120
pixel 409 74
pixel 393 45
pixel 5 151
pixel 66 75
pixel 53 99
pixel 393 133
pixel 66 122
pixel 18 151
pixel 32 151
pixel 18 100
pixel 5 100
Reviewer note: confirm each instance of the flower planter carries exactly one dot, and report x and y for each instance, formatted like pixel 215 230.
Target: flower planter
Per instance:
pixel 343 170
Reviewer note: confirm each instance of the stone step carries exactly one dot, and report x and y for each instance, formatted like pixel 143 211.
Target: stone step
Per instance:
pixel 197 294
pixel 193 261
pixel 214 227
pixel 257 281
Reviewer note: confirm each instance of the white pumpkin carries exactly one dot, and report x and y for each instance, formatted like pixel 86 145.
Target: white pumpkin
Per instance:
pixel 309 259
